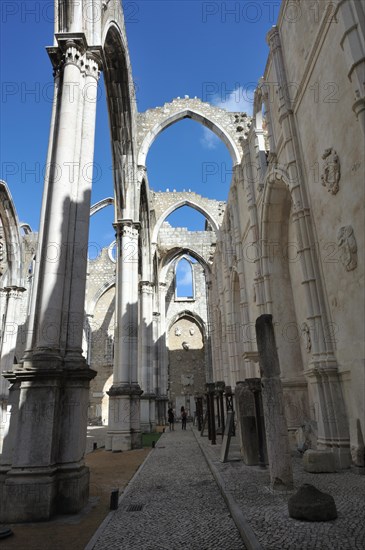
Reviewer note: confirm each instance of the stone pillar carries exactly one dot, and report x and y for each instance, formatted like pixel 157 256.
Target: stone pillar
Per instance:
pixel 211 413
pixel 45 471
pixel 277 438
pixel 250 422
pixel 229 406
pixel 159 418
pixel 12 298
pixel 209 341
pixel 124 432
pixel 199 410
pixel 146 359
pixel 220 386
pixel 162 353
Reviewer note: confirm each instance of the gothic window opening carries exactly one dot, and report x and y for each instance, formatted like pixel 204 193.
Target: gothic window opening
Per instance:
pixel 184 279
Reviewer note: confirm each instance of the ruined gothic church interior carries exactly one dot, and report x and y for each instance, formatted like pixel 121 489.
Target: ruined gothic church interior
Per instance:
pixel 117 339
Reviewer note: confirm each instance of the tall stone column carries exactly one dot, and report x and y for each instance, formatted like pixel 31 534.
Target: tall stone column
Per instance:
pixel 146 363
pixel 277 438
pixel 124 432
pixel 210 330
pixel 45 471
pixel 163 352
pixel 12 297
pixel 76 384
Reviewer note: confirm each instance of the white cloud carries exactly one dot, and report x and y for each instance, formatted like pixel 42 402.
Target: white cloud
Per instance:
pixel 239 100
pixel 209 139
pixel 184 273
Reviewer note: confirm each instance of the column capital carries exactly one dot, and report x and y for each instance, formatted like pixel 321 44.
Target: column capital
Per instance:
pixel 127 228
pixel 92 65
pixel 73 49
pixel 146 286
pixel 13 291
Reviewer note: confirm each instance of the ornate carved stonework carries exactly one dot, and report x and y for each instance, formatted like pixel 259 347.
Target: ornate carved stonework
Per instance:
pixel 347 247
pixel 74 56
pixel 2 254
pixel 331 173
pixel 92 67
pixel 129 230
pixel 187 379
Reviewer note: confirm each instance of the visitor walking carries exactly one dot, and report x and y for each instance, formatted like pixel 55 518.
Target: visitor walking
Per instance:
pixel 171 418
pixel 183 418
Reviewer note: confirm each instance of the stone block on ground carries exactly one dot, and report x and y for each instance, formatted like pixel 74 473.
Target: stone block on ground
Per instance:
pixel 319 462
pixel 310 504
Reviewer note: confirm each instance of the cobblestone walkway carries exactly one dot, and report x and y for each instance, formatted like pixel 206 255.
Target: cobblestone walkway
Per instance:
pixel 267 512
pixel 182 507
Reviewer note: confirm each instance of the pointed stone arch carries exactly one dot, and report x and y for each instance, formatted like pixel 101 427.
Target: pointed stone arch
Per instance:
pixel 122 116
pixel 179 204
pixel 175 253
pixel 229 127
pixel 190 315
pixel 145 253
pixel 11 236
pixel 284 197
pixel 100 205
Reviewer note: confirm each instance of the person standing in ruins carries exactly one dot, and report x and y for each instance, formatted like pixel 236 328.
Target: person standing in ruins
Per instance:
pixel 183 418
pixel 171 418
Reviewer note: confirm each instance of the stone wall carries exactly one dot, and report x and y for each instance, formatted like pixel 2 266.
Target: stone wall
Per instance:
pixel 186 364
pixel 293 227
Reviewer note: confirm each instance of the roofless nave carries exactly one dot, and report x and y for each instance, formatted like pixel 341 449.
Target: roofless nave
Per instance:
pixel 285 243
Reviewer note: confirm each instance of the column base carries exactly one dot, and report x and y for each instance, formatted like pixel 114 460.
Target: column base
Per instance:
pixel 124 431
pixel 123 441
pixel 341 452
pixel 29 496
pixel 118 441
pixel 161 408
pixel 148 420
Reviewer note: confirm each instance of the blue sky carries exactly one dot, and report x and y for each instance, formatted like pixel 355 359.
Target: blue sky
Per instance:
pixel 213 50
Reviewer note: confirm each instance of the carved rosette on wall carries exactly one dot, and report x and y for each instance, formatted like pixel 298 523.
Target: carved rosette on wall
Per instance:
pixel 177 331
pixel 347 246
pixel 331 173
